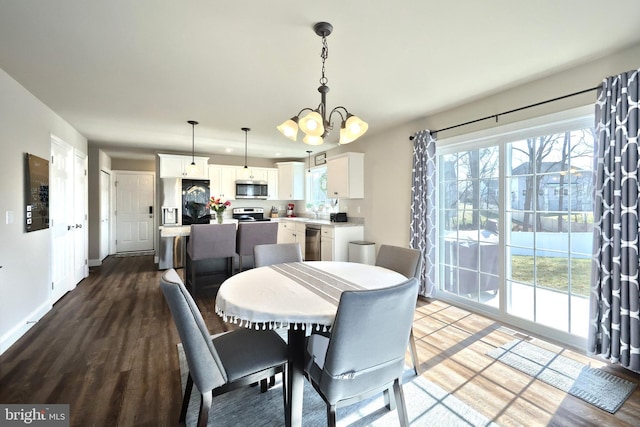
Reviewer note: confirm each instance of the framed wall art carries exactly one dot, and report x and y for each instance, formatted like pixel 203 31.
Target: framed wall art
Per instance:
pixel 36 195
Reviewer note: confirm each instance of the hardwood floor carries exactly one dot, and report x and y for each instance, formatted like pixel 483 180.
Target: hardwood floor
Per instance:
pixel 108 349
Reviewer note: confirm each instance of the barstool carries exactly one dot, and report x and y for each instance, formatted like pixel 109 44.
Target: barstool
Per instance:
pixel 251 234
pixel 207 242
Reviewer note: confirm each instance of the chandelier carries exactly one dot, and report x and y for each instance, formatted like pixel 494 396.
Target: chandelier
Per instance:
pixel 317 124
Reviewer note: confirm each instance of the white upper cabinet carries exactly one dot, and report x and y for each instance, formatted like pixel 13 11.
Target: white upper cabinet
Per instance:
pixel 272 183
pixel 222 181
pixel 253 174
pixel 345 176
pixel 290 181
pixel 176 166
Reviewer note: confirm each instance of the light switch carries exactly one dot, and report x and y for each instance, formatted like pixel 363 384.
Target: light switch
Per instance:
pixel 9 217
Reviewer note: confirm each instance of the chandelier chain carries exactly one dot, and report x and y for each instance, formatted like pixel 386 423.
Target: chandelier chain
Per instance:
pixel 324 55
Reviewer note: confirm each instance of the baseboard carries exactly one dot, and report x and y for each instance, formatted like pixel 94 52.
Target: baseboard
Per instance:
pixel 21 328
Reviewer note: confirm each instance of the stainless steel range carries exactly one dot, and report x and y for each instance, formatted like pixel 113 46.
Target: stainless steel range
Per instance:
pixel 249 214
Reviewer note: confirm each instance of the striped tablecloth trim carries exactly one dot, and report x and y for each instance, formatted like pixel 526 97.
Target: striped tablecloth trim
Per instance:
pixel 326 285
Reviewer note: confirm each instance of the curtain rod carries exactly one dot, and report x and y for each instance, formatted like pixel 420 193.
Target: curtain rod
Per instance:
pixel 513 111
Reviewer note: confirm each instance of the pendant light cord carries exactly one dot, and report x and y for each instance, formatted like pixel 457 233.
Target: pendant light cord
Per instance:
pixel 245 146
pixel 193 124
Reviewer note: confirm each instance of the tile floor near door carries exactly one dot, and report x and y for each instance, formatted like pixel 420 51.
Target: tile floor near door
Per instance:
pixel 108 349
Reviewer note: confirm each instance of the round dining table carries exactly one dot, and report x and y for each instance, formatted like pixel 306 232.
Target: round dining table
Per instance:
pixel 301 297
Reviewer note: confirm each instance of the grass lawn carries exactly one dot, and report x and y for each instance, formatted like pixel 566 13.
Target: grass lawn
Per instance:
pixel 553 273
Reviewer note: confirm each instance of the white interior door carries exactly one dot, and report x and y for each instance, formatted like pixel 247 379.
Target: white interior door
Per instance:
pixel 61 214
pixel 80 230
pixel 105 208
pixel 134 211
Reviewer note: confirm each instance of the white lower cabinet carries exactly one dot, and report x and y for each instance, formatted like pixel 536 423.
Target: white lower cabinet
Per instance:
pixel 292 232
pixel 334 244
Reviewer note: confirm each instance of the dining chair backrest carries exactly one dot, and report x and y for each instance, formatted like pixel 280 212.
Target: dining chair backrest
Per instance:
pixel 405 261
pixel 251 234
pixel 278 253
pixel 204 362
pixel 212 241
pixel 368 340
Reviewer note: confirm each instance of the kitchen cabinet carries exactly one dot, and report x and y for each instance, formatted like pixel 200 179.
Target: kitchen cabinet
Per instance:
pixel 291 180
pixel 345 176
pixel 222 181
pixel 176 166
pixel 272 183
pixel 292 232
pixel 254 174
pixel 334 245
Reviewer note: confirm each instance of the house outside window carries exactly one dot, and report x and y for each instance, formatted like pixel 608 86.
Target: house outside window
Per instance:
pixel 515 223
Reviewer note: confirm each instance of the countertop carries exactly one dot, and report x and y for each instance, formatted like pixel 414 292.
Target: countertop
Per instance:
pixel 184 230
pixel 318 221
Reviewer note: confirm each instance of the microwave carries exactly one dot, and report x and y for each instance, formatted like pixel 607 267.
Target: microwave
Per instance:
pixel 251 189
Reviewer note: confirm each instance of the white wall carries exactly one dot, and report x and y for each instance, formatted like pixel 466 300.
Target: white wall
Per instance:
pixel 388 156
pixel 26 126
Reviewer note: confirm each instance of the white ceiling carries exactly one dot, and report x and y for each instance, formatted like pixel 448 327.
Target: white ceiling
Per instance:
pixel 128 74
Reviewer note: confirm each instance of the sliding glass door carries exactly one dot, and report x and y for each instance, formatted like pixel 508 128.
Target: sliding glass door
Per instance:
pixel 548 244
pixel 515 224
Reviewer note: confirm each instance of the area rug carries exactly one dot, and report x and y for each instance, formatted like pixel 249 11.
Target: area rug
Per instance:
pixel 594 386
pixel 130 254
pixel 427 405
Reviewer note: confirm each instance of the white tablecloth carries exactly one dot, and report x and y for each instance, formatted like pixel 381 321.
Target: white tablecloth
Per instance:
pixel 296 295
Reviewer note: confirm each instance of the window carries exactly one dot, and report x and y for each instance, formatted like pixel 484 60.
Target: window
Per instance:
pixel 515 222
pixel 317 201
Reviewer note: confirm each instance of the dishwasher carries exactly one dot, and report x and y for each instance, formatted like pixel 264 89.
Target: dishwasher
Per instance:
pixel 312 243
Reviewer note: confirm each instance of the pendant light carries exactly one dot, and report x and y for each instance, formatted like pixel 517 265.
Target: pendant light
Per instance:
pixel 317 123
pixel 192 169
pixel 309 155
pixel 245 130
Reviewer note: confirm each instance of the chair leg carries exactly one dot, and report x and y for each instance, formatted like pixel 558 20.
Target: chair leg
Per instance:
pixel 284 387
pixel 186 398
pixel 402 408
pixel 389 399
pixel 414 353
pixel 194 288
pixel 331 415
pixel 205 405
pixel 263 385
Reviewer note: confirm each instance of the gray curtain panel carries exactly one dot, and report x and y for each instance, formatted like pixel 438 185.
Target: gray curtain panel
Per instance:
pixel 424 209
pixel 614 327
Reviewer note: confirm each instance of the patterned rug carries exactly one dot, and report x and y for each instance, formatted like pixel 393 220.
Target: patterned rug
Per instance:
pixel 594 386
pixel 427 405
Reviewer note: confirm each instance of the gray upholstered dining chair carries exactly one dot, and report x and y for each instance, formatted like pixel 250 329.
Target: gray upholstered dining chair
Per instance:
pixel 407 262
pixel 251 234
pixel 276 254
pixel 208 242
pixel 364 352
pixel 223 362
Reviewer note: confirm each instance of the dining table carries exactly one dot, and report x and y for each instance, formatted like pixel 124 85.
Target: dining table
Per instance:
pixel 301 297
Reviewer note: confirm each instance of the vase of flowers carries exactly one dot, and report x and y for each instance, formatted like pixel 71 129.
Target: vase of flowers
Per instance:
pixel 218 206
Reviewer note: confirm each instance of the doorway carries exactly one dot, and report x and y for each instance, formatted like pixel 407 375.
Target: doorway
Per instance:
pixel 61 214
pixel 105 208
pixel 134 211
